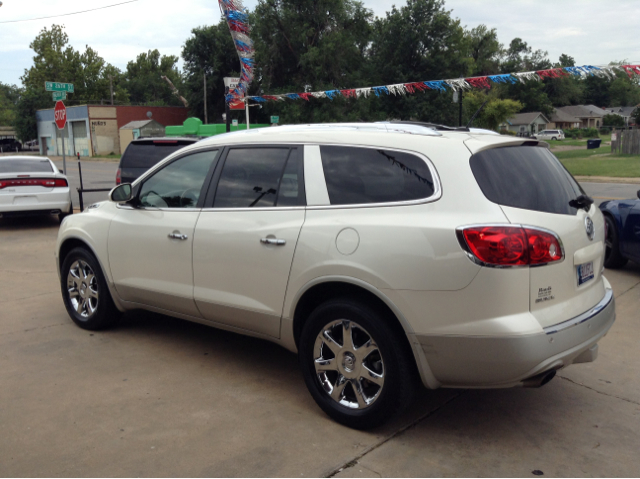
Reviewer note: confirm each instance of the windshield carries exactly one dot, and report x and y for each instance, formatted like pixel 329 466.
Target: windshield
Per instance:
pixel 21 165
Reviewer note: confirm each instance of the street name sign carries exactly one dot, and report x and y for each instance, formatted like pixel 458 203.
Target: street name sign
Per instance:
pixel 56 86
pixel 60 115
pixel 59 95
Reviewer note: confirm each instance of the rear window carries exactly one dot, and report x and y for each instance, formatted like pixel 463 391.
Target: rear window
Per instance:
pixel 25 166
pixel 148 153
pixel 366 175
pixel 527 177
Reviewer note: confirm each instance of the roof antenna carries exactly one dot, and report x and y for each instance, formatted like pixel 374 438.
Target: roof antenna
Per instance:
pixel 476 113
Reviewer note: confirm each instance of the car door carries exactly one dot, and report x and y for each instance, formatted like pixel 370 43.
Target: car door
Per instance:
pixel 246 237
pixel 150 242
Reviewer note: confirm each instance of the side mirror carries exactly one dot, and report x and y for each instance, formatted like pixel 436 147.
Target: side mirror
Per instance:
pixel 638 194
pixel 61 171
pixel 121 193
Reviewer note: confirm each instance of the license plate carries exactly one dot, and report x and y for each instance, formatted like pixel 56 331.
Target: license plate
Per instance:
pixel 585 272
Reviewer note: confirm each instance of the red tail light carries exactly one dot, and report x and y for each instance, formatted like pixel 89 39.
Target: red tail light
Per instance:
pixel 118 177
pixel 46 182
pixel 511 245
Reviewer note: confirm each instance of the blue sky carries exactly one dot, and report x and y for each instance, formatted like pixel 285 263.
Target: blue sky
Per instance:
pixel 593 32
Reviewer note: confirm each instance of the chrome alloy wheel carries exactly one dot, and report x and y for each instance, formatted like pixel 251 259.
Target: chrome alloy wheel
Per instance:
pixel 82 287
pixel 348 364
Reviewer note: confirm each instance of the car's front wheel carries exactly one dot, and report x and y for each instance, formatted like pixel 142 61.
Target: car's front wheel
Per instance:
pixel 356 366
pixel 612 256
pixel 85 292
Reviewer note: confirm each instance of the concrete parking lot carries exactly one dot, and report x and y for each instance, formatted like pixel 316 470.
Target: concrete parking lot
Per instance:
pixel 157 396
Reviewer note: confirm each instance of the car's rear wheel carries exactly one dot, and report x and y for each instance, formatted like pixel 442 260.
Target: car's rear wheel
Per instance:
pixel 612 256
pixel 85 292
pixel 356 366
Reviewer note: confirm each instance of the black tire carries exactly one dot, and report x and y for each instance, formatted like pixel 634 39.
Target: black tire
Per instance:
pixel 612 257
pixel 62 216
pixel 85 292
pixel 554 138
pixel 389 357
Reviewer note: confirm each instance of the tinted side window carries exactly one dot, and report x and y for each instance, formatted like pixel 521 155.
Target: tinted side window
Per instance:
pixel 525 177
pixel 365 175
pixel 179 184
pixel 149 153
pixel 252 177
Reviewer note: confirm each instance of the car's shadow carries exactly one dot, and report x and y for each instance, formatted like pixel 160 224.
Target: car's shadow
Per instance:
pixel 20 223
pixel 443 411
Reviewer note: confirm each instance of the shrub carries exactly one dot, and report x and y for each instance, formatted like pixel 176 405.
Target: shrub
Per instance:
pixel 508 132
pixel 591 133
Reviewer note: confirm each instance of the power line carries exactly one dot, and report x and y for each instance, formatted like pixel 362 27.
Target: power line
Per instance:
pixel 68 14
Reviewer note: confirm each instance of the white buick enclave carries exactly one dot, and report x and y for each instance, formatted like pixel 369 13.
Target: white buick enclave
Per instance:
pixel 381 253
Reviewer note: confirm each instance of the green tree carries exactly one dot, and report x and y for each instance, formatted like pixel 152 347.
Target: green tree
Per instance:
pixel 613 120
pixel 485 51
pixel 419 42
pixel 30 101
pixel 143 79
pixel 310 45
pixel 210 51
pixel 9 97
pixel 493 114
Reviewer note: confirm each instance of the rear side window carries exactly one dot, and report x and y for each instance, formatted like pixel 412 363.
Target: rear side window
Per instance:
pixel 260 177
pixel 148 153
pixel 25 166
pixel 527 177
pixel 366 175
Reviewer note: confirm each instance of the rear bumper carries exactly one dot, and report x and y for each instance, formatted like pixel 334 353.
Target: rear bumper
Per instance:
pixel 490 362
pixel 36 203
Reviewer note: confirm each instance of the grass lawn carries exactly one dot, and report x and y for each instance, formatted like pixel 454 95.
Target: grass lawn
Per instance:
pixel 597 163
pixel 583 142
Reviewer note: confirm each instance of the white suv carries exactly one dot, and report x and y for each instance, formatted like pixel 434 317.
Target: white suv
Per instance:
pixel 379 252
pixel 549 135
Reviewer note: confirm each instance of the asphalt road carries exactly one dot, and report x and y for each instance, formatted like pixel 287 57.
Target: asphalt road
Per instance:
pixel 161 397
pixel 95 175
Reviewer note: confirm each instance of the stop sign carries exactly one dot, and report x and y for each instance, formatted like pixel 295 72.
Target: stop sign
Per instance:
pixel 60 115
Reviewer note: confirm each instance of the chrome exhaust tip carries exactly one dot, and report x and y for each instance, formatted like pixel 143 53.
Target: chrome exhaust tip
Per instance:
pixel 539 380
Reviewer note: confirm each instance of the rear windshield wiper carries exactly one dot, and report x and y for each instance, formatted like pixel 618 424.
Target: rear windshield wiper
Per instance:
pixel 582 201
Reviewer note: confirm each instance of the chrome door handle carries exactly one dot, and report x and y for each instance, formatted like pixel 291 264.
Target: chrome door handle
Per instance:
pixel 177 235
pixel 275 241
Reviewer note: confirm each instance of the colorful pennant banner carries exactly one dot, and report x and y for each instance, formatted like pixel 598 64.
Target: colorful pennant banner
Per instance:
pixel 457 84
pixel 238 21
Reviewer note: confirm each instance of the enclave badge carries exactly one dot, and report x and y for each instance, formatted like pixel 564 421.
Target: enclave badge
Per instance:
pixel 588 224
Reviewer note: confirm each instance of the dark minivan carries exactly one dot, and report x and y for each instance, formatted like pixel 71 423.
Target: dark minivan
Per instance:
pixel 143 153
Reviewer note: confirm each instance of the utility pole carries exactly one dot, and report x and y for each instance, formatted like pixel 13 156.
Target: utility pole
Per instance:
pixel 460 112
pixel 226 109
pixel 111 87
pixel 206 117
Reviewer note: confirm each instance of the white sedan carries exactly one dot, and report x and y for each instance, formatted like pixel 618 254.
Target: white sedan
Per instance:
pixel 31 185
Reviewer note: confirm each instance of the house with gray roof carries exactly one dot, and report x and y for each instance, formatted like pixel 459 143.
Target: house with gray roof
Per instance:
pixel 562 120
pixel 526 124
pixel 626 112
pixel 590 116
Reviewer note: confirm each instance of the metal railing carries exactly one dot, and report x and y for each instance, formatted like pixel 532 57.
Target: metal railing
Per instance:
pixel 82 190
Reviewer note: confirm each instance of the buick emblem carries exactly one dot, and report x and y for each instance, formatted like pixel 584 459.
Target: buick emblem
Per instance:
pixel 588 225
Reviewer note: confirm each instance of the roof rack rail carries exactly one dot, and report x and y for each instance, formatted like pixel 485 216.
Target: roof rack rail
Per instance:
pixel 435 126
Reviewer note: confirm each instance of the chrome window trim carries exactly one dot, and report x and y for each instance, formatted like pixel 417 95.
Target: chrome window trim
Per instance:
pixel 463 243
pixel 437 186
pixel 586 316
pixel 125 206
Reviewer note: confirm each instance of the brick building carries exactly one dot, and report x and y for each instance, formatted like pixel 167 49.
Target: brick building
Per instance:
pixel 94 130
